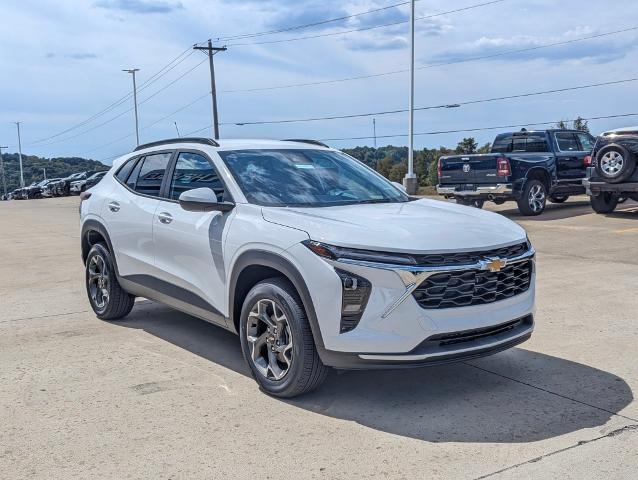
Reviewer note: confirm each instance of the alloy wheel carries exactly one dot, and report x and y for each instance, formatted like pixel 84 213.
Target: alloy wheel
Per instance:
pixel 612 163
pixel 98 282
pixel 536 198
pixel 269 339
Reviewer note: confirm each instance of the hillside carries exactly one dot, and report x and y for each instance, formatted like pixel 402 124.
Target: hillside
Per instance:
pixel 33 168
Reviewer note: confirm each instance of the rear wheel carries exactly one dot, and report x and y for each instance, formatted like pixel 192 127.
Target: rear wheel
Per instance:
pixel 615 164
pixel 533 199
pixel 605 202
pixel 277 342
pixel 107 298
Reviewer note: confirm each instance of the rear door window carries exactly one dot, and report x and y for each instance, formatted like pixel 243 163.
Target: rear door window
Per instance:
pixel 567 142
pixel 148 174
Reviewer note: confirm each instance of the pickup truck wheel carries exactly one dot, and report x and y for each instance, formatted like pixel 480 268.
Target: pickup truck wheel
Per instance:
pixel 558 198
pixel 471 203
pixel 107 298
pixel 605 202
pixel 533 199
pixel 615 164
pixel 277 341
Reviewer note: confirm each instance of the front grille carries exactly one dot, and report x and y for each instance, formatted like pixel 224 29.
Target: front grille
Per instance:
pixel 474 287
pixel 469 258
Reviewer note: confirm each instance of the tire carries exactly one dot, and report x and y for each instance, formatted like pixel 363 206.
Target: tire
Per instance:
pixel 279 373
pixel 615 164
pixel 604 203
pixel 476 203
pixel 558 198
pixel 116 303
pixel 533 199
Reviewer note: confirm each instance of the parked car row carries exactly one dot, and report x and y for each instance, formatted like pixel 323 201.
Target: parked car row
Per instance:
pixel 532 167
pixel 57 187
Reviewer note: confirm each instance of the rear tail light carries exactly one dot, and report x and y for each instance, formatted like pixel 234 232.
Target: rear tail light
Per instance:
pixel 503 168
pixel 438 168
pixel 587 160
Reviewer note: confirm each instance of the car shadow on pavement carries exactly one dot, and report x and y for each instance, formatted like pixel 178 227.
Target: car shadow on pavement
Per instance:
pixel 514 396
pixel 553 212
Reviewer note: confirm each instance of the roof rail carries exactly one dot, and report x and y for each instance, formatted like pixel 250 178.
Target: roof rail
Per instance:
pixel 202 140
pixel 311 142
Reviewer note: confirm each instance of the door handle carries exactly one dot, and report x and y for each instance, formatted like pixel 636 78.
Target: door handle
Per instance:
pixel 165 217
pixel 114 207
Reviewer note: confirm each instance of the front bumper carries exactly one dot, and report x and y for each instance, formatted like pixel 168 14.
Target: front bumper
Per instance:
pixel 395 331
pixel 500 189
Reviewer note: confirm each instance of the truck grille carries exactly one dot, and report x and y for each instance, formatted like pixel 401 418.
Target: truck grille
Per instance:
pixel 469 258
pixel 474 287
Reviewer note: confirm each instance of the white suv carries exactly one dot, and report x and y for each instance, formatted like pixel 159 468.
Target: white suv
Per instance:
pixel 313 258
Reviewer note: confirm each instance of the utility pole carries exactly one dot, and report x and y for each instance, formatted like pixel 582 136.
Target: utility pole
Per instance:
pixel 4 180
pixel 44 171
pixel 20 155
pixel 409 182
pixel 211 51
pixel 132 71
pixel 374 131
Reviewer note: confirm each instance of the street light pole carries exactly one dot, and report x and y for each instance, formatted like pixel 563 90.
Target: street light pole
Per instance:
pixel 374 131
pixel 4 180
pixel 20 155
pixel 132 71
pixel 409 182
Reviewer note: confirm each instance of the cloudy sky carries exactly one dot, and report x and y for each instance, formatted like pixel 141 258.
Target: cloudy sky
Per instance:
pixel 61 64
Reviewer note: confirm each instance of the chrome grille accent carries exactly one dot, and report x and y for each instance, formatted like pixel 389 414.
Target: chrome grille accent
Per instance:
pixel 473 287
pixel 468 258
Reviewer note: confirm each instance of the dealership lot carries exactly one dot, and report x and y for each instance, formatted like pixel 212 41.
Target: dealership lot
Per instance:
pixel 163 395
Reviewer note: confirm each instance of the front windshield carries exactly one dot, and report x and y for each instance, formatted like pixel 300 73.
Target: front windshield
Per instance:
pixel 307 178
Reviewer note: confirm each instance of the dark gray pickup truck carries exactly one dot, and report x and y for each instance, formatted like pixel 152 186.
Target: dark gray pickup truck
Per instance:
pixel 528 167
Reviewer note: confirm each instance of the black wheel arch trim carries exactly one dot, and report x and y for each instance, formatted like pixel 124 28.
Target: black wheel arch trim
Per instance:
pixel 92 225
pixel 277 262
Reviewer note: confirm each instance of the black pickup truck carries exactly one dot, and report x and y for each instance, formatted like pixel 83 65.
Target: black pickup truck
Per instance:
pixel 613 176
pixel 528 167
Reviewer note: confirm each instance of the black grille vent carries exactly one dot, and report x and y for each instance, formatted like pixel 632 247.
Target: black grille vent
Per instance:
pixel 469 258
pixel 474 287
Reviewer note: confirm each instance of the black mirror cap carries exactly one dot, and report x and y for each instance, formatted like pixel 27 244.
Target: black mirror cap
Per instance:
pixel 206 206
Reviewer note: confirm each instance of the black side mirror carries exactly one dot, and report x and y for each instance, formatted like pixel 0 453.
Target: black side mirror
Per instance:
pixel 203 200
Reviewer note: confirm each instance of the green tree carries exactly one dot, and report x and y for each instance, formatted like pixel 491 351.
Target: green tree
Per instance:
pixel 467 146
pixel 487 148
pixel 581 124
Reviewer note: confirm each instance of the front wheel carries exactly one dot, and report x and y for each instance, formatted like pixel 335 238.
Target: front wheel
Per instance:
pixel 277 341
pixel 605 202
pixel 533 199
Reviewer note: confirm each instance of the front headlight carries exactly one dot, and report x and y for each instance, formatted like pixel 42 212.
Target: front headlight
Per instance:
pixel 332 252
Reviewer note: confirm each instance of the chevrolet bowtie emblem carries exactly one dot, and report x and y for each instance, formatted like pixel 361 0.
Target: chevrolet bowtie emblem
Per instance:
pixel 493 264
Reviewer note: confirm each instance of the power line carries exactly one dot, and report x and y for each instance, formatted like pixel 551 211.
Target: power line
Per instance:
pixel 362 29
pixel 83 132
pixel 480 129
pixel 433 65
pixel 450 105
pixel 152 79
pixel 309 25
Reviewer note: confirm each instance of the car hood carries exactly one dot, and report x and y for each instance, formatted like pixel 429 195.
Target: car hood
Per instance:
pixel 413 227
